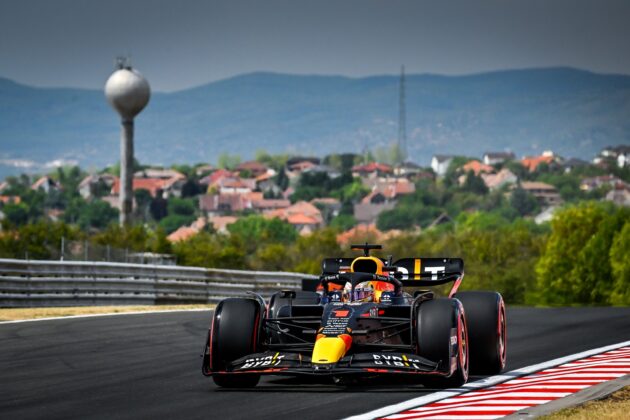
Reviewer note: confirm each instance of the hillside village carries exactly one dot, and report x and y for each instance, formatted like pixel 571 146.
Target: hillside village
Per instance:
pixel 352 193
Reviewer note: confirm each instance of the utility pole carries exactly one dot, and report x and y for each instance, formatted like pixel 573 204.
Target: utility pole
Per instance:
pixel 402 120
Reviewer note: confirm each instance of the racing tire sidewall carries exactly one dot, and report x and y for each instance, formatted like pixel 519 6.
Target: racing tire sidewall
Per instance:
pixel 487 330
pixel 235 333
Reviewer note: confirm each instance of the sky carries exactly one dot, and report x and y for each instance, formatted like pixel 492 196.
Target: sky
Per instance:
pixel 179 44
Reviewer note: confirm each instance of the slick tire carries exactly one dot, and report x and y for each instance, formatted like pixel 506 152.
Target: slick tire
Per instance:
pixel 235 333
pixel 487 331
pixel 437 320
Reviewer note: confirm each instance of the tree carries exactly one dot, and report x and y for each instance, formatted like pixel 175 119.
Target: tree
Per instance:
pixel 16 214
pixel 282 180
pixel 143 201
pixel 343 222
pixel 210 250
pixel 182 206
pixel 158 208
pixel 227 161
pixel 172 222
pixel 523 202
pixel 255 230
pixel 191 188
pixel 93 214
pixel 474 184
pixel 575 266
pixel 620 265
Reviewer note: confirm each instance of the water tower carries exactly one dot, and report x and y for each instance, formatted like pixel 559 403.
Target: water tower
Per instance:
pixel 128 92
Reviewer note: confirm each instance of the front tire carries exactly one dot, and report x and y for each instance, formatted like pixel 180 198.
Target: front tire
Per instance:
pixel 439 320
pixel 487 329
pixel 235 333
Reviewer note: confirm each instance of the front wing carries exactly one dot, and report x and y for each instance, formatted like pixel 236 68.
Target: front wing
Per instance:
pixel 290 363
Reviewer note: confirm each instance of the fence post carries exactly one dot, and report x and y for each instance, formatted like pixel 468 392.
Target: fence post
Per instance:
pixel 63 247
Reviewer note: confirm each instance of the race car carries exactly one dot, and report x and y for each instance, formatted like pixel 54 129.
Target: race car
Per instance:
pixel 363 321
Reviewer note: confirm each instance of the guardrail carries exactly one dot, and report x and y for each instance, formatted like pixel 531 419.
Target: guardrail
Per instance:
pixel 27 283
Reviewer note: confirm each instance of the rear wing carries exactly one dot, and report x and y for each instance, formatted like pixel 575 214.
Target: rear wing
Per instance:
pixel 412 271
pixel 429 271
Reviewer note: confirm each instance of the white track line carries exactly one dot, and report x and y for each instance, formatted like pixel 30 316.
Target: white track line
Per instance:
pixel 105 314
pixel 483 383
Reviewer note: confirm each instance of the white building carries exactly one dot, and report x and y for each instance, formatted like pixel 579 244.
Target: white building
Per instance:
pixel 440 164
pixel 492 158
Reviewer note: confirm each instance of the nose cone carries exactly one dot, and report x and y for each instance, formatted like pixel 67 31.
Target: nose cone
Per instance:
pixel 128 92
pixel 330 349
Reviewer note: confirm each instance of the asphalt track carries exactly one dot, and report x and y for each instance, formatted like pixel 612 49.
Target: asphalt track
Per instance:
pixel 148 366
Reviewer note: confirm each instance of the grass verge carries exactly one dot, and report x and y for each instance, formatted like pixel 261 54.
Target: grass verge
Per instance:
pixel 615 406
pixel 16 314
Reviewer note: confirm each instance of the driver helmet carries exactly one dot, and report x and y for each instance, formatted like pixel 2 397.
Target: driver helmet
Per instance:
pixel 368 291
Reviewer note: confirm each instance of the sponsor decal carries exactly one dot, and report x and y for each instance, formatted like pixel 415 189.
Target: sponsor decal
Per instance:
pixel 265 361
pixel 396 361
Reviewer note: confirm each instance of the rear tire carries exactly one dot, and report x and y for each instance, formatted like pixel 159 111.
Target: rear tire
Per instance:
pixel 436 320
pixel 487 331
pixel 235 334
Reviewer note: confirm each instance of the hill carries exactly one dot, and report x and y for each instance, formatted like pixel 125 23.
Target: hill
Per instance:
pixel 572 112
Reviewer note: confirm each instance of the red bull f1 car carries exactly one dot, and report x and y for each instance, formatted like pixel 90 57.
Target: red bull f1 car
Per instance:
pixel 362 321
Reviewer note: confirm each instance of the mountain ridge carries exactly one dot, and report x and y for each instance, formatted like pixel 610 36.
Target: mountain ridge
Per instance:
pixel 574 112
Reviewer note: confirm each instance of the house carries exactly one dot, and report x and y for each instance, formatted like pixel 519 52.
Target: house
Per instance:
pixel 477 168
pixel 593 183
pixel 155 186
pixel 10 199
pixel 440 164
pixel 90 185
pixel 187 232
pixel 204 170
pixel 546 194
pixel 494 158
pixel 297 165
pixel 330 207
pixel 266 183
pixel 498 180
pixel 220 223
pixel 166 182
pixel 533 162
pixel 391 188
pixel 210 179
pixel 235 185
pixel 224 204
pixel 619 195
pixel 46 184
pixel 158 173
pixel 363 232
pixel 408 170
pixel 372 169
pixel 304 216
pixel 620 154
pixel 571 164
pixel 270 204
pixel 368 212
pixel 254 167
